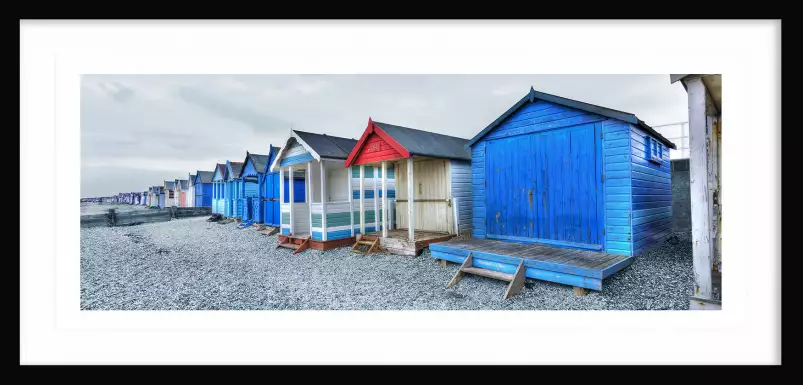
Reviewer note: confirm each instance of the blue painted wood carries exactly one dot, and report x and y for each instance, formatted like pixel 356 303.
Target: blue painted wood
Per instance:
pixel 648 212
pixel 616 267
pixel 527 151
pixel 299 190
pixel 550 242
pixel 462 191
pixel 491 262
pixel 296 159
pixel 478 207
pixel 338 234
pixel 545 186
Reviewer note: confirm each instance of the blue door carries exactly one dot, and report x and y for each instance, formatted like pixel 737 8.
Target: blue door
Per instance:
pixel 298 190
pixel 545 187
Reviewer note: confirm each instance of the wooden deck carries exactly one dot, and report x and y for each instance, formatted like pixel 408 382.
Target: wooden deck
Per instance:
pixel 396 242
pixel 574 267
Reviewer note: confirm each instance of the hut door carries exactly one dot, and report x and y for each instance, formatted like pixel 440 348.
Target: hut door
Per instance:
pixel 544 187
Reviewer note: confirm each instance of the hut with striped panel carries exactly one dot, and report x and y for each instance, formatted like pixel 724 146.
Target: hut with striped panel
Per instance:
pixel 320 217
pixel 428 187
pixel 169 188
pixel 260 189
pixel 234 207
pixel 219 189
pixel 563 191
pixel 190 197
pixel 182 186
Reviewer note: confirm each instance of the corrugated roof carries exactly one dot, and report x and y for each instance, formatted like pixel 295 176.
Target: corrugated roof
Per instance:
pixel 594 109
pixel 426 143
pixel 327 146
pixel 205 176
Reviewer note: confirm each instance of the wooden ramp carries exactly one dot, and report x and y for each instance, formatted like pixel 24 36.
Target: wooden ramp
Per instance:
pixel 295 243
pixel 578 268
pixel 367 244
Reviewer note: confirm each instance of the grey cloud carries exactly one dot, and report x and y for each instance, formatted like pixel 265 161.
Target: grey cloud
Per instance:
pixel 221 107
pixel 117 91
pixel 193 121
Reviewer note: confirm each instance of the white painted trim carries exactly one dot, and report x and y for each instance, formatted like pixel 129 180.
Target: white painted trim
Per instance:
pixel 274 166
pixel 308 186
pixel 281 188
pixel 280 154
pixel 376 200
pixel 324 199
pixel 362 199
pixel 290 199
pixel 456 214
pixel 384 199
pixel 311 151
pixel 410 201
pixel 698 181
pixel 351 199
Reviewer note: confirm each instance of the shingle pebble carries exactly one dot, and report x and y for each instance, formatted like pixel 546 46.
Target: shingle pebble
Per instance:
pixel 194 264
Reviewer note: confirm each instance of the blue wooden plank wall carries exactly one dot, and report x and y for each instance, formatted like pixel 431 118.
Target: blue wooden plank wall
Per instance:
pixel 251 189
pixel 651 193
pixel 461 189
pixel 478 190
pixel 574 152
pixel 616 151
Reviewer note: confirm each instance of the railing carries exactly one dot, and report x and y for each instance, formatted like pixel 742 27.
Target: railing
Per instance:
pixel 681 141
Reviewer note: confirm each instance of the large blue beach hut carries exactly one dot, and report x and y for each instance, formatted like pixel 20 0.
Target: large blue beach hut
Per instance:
pixel 563 191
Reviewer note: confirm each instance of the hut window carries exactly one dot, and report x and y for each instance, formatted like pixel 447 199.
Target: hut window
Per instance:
pixel 654 150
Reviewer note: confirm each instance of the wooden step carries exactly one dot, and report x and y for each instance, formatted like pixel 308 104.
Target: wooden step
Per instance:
pixel 488 273
pixel 289 246
pixel 368 238
pixel 516 281
pixel 369 243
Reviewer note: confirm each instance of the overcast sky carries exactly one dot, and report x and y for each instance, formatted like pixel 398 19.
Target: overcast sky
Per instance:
pixel 138 130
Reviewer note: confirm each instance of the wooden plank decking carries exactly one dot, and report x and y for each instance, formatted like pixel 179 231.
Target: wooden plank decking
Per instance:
pixel 580 268
pixel 396 242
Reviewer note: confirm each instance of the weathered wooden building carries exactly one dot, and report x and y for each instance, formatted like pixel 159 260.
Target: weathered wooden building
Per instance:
pixel 232 194
pixel 190 191
pixel 564 191
pixel 426 194
pixel 260 189
pixel 320 213
pixel 169 188
pixel 219 189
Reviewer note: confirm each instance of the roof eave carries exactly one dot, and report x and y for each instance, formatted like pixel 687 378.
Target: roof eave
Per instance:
pixel 501 118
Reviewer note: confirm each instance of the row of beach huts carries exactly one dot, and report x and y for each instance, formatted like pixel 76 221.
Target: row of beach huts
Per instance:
pixel 553 189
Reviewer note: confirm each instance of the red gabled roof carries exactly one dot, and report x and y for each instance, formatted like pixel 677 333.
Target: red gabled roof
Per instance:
pixel 376 130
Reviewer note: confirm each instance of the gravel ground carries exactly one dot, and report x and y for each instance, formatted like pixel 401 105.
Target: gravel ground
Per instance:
pixel 194 264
